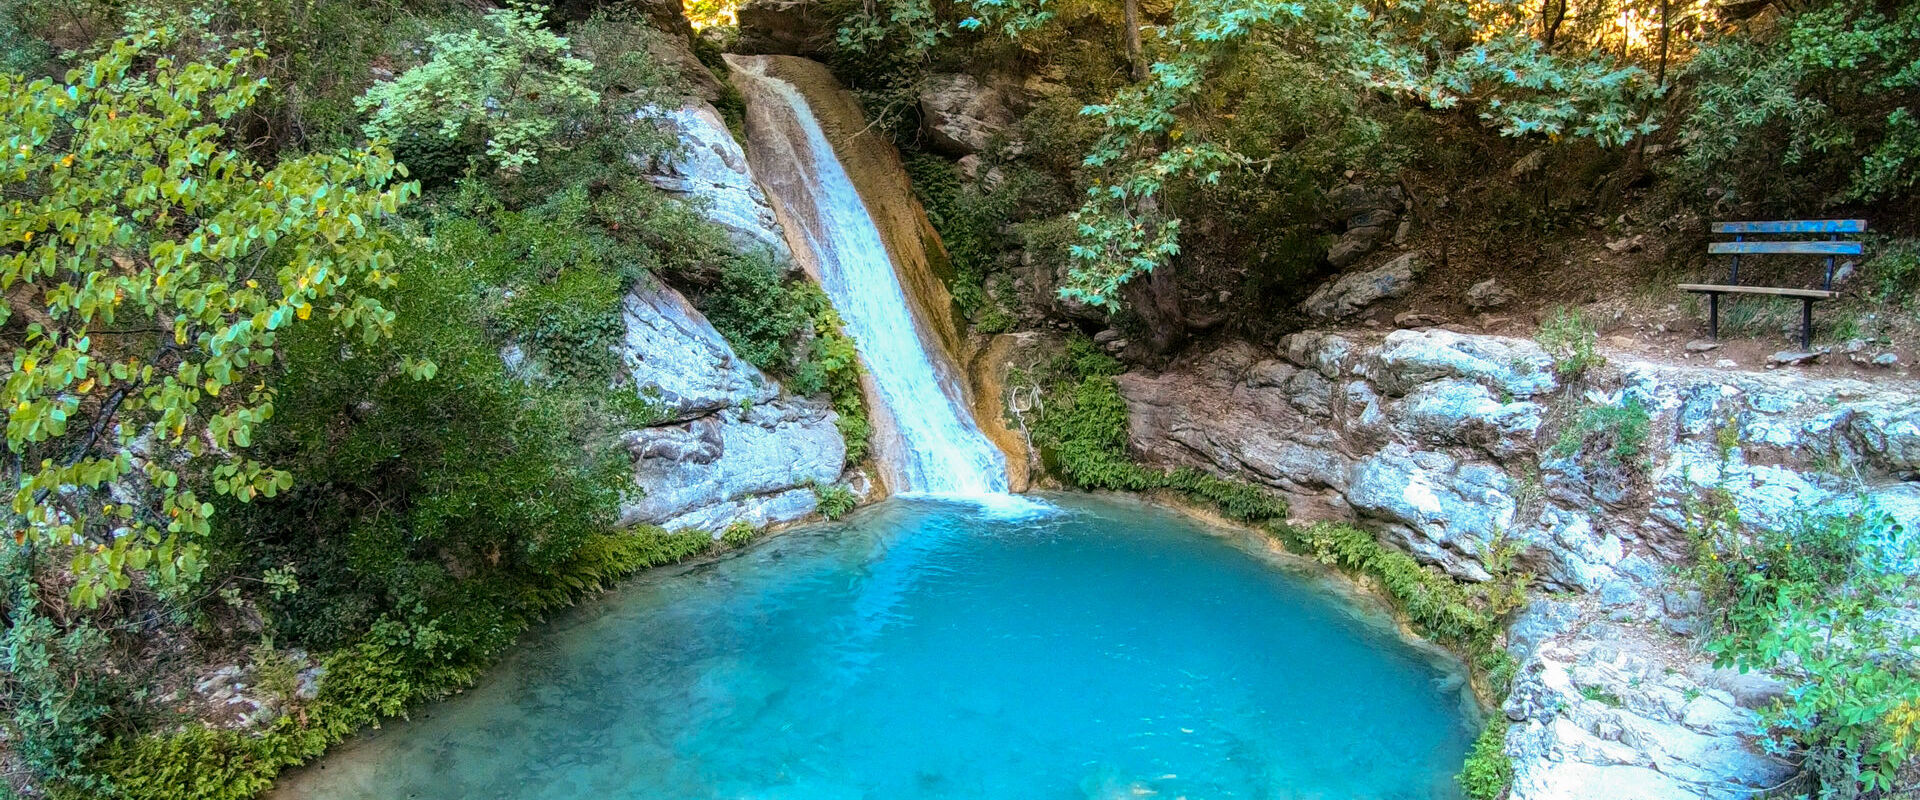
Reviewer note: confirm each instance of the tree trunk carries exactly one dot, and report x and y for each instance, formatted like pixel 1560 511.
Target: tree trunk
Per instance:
pixel 1666 28
pixel 1552 13
pixel 1155 296
pixel 1135 57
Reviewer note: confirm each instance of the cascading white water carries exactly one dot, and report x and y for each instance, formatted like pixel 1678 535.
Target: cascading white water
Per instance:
pixel 943 451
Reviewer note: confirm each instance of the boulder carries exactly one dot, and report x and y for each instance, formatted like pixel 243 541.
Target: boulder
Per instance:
pixel 1512 367
pixel 733 446
pixel 674 357
pixel 1442 511
pixel 1355 244
pixel 756 464
pixel 1349 294
pixel 960 115
pixel 784 27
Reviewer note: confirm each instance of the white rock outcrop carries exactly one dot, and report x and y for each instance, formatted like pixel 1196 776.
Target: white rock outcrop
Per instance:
pixel 732 446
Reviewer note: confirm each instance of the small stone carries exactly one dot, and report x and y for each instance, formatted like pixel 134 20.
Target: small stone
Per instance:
pixel 1487 294
pixel 1417 319
pixel 1726 363
pixel 1793 358
pixel 1630 244
pixel 1886 360
pixel 1855 346
pixel 1106 336
pixel 1702 346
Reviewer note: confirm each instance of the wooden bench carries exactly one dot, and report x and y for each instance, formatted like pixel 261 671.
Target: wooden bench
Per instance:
pixel 1830 247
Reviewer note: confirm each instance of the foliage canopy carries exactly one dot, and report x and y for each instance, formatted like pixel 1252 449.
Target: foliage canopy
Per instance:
pixel 150 269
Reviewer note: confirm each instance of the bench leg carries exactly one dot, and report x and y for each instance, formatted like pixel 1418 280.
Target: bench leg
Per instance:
pixel 1806 323
pixel 1713 316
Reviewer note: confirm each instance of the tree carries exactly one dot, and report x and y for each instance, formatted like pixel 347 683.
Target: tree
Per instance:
pixel 148 268
pixel 506 88
pixel 1439 55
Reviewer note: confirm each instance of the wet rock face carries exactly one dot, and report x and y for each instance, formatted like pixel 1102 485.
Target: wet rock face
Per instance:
pixel 1443 444
pixel 732 446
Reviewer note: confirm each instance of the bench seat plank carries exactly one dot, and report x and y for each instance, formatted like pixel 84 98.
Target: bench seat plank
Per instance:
pixel 1815 294
pixel 1793 226
pixel 1795 248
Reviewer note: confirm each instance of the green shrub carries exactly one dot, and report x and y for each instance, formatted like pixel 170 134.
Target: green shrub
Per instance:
pixel 738 534
pixel 506 88
pixel 1570 339
pixel 58 698
pixel 1438 606
pixel 394 667
pixel 788 327
pixel 1810 111
pixel 835 500
pixel 1821 603
pixel 1488 771
pixel 1620 430
pixel 1081 432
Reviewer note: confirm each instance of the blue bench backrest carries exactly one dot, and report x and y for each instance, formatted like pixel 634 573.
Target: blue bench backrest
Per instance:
pixel 1832 246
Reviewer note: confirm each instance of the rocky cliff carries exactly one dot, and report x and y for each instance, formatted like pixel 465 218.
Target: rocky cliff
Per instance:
pixel 732 445
pixel 1450 445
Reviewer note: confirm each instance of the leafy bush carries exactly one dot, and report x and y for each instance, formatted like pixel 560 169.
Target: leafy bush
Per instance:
pixel 1081 432
pixel 835 500
pixel 57 698
pixel 738 534
pixel 1571 340
pixel 1822 603
pixel 1621 430
pixel 153 268
pixel 1828 92
pixel 787 327
pixel 505 88
pixel 395 666
pixel 1488 771
pixel 415 493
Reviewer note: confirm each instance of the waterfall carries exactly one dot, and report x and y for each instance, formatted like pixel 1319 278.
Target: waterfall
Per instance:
pixel 940 450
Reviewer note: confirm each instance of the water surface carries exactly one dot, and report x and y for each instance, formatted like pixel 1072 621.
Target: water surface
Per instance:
pixel 928 649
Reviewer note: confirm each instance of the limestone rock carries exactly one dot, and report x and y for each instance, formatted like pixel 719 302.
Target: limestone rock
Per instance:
pixel 753 465
pixel 960 115
pixel 1355 244
pixel 1456 411
pixel 674 357
pixel 1513 367
pixel 1442 511
pixel 711 169
pixel 1347 295
pixel 733 447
